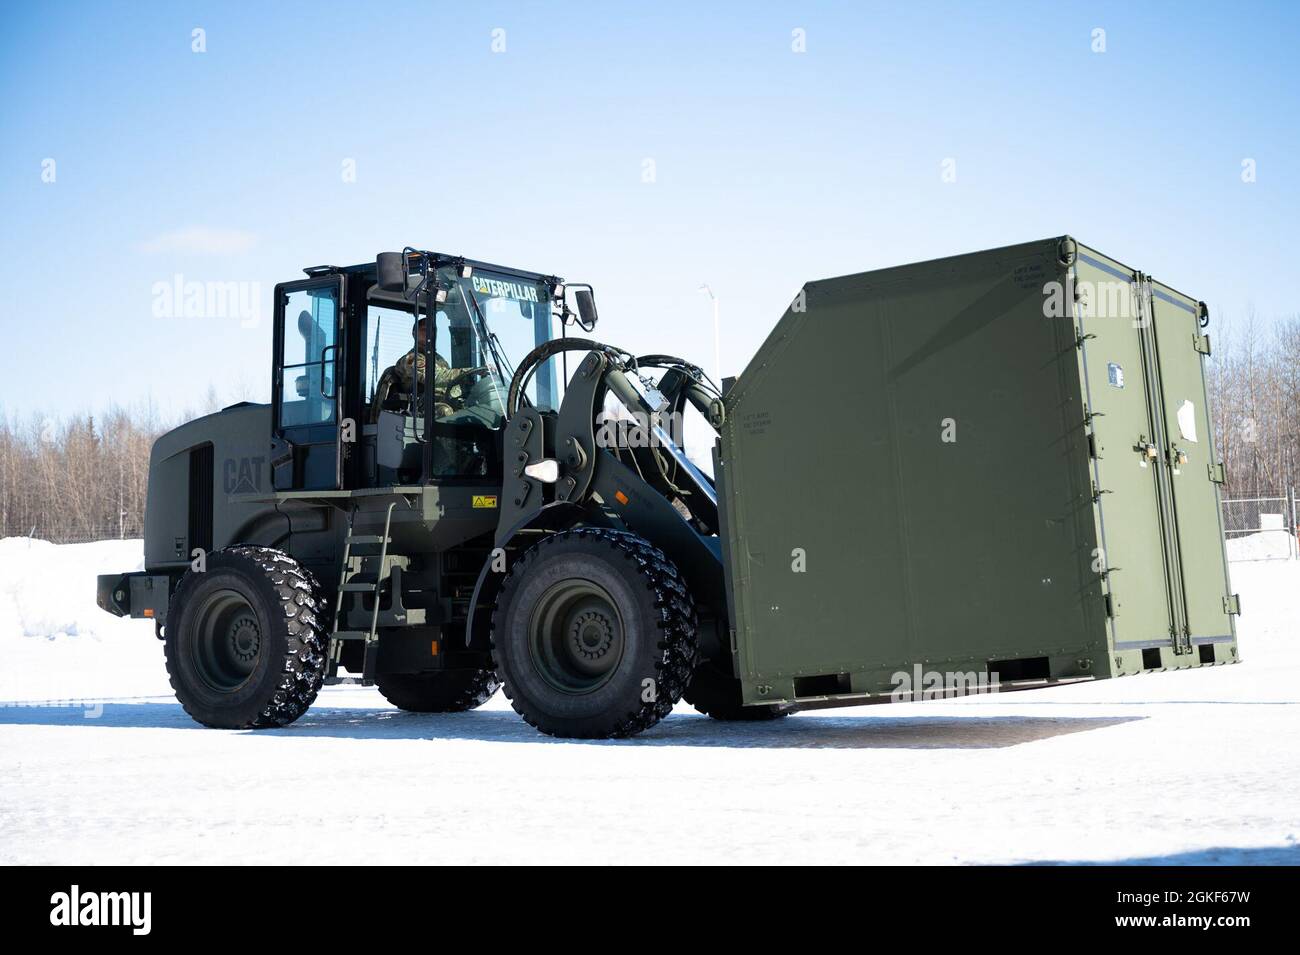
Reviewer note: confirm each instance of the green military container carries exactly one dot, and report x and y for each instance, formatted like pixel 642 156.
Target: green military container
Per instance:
pixel 997 466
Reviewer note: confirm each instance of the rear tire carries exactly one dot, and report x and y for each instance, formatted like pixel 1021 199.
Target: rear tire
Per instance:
pixel 245 642
pixel 593 634
pixel 441 691
pixel 718 695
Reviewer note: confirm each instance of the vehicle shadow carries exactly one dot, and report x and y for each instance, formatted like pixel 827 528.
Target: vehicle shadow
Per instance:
pixel 679 729
pixel 1288 855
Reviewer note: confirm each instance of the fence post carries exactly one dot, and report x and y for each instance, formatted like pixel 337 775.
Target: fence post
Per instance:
pixel 1295 541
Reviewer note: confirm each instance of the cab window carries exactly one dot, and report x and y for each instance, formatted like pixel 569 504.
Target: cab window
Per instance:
pixel 307 393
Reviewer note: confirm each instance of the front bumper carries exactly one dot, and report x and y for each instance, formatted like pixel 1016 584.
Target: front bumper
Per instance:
pixel 141 595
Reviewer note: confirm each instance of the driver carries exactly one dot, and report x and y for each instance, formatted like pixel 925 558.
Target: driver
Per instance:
pixel 398 380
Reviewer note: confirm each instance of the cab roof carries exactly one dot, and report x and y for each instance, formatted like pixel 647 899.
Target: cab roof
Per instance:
pixel 367 269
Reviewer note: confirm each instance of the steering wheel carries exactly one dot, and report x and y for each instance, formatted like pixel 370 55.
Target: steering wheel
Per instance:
pixel 465 376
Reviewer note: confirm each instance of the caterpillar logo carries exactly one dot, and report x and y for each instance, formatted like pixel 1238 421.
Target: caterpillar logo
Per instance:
pixel 242 475
pixel 485 500
pixel 501 289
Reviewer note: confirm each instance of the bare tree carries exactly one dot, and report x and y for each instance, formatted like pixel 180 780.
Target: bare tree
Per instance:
pixel 1254 383
pixel 79 479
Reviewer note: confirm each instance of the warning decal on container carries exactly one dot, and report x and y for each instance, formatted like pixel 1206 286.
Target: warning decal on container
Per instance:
pixel 485 500
pixel 1115 375
pixel 1187 420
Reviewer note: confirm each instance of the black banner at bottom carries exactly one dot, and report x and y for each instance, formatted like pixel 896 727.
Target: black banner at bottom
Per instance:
pixel 185 904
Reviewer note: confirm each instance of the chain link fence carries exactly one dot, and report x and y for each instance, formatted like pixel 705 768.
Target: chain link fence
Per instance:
pixel 78 535
pixel 1261 528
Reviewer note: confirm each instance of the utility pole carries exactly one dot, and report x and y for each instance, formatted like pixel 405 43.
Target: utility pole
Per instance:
pixel 717 339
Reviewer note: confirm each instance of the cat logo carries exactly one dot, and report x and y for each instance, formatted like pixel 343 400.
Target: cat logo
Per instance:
pixel 242 475
pixel 485 500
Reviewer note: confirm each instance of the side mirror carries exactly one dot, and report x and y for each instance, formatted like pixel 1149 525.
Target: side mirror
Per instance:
pixel 586 301
pixel 390 269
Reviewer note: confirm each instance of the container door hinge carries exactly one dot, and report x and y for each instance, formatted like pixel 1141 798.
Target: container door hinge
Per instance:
pixel 1216 473
pixel 1232 604
pixel 1097 493
pixel 1110 606
pixel 1201 343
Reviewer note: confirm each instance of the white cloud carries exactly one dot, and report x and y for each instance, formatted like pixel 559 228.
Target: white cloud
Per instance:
pixel 201 240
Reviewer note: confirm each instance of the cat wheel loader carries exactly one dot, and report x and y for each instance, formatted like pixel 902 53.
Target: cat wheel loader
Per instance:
pixel 930 480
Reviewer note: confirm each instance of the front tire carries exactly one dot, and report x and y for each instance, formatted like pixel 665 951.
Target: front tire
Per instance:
pixel 593 634
pixel 245 640
pixel 440 691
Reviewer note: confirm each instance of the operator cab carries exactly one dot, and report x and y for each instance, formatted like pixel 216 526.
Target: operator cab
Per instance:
pixel 382 381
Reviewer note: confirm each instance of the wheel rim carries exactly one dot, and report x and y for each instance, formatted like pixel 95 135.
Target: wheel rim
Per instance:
pixel 228 641
pixel 576 636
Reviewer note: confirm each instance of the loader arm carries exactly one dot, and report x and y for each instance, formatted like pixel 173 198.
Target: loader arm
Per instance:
pixel 602 486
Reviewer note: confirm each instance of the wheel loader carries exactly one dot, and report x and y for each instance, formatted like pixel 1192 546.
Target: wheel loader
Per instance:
pixel 956 476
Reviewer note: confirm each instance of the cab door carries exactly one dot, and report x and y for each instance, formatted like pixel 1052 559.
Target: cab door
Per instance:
pixel 305 386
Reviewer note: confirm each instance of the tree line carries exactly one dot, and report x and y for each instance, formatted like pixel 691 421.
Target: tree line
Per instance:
pixel 83 477
pixel 1254 383
pixel 79 479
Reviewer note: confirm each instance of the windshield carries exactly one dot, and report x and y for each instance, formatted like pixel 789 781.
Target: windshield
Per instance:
pixel 487 324
pixel 493 321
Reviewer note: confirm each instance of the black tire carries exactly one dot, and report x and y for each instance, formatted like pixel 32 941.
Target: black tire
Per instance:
pixel 593 635
pixel 245 642
pixel 441 691
pixel 718 695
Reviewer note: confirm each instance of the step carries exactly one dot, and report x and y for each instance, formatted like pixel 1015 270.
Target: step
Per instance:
pixel 368 664
pixel 350 635
pixel 368 539
pixel 347 681
pixel 360 586
pixel 411 617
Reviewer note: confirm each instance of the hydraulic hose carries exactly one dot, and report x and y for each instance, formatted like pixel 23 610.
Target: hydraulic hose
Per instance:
pixel 545 351
pixel 558 345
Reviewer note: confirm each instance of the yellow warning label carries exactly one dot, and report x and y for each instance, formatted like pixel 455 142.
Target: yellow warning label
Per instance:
pixel 485 500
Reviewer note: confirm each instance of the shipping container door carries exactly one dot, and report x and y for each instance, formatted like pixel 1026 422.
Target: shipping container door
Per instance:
pixel 1188 456
pixel 1126 464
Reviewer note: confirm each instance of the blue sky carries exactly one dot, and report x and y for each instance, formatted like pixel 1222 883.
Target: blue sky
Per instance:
pixel 771 167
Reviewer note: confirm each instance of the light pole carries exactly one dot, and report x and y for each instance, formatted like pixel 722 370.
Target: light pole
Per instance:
pixel 717 347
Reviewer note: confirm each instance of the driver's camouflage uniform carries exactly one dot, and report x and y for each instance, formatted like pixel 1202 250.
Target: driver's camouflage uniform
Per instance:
pixel 395 382
pixel 449 393
pixel 443 373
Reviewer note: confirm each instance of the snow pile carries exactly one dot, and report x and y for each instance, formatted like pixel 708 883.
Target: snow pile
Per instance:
pixel 1267 627
pixel 1268 545
pixel 55 641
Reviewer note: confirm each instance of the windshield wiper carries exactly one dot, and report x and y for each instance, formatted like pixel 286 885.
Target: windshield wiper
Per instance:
pixel 489 339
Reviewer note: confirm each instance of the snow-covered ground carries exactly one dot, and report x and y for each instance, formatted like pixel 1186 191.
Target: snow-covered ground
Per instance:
pixel 99 764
